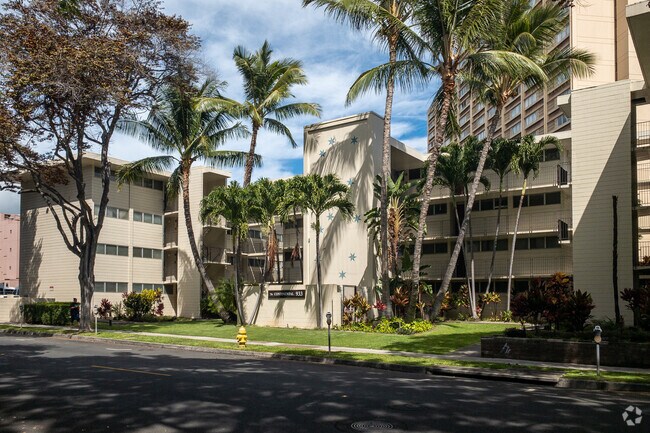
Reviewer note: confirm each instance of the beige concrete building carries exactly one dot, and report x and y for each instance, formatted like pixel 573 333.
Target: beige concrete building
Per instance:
pixel 9 250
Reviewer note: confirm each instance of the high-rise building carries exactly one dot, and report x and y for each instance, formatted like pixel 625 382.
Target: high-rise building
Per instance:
pixel 9 249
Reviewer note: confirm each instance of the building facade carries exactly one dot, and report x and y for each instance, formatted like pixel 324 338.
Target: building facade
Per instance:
pixel 9 250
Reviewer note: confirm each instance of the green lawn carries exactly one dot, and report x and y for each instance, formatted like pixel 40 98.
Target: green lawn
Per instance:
pixel 444 338
pixel 609 376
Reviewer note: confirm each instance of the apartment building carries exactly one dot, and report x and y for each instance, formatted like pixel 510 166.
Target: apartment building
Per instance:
pixel 9 249
pixel 597 26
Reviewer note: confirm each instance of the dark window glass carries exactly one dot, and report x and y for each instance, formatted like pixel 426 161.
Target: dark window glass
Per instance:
pixel 137 252
pixel 487 204
pixel 137 216
pixel 122 287
pixel 536 200
pixel 111 250
pixel 504 203
pixel 441 248
pixel 123 251
pixel 552 242
pixel 158 184
pixel 148 218
pixel 99 287
pixel 428 248
pixel 553 198
pixel 502 245
pixel 552 155
pixel 487 245
pixel 522 244
pixel 515 201
pixel 537 243
pixel 157 219
pixel 415 173
pixel 148 183
pixel 157 254
pixel 169 289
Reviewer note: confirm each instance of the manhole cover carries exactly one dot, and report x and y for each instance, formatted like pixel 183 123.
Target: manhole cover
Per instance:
pixel 371 425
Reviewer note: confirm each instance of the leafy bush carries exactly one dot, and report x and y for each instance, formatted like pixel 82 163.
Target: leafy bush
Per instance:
pixel 355 309
pixel 47 313
pixel 139 305
pixel 394 325
pixel 555 302
pixel 105 309
pixel 224 295
pixel 638 301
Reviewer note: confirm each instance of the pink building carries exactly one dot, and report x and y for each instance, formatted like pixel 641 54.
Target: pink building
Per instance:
pixel 9 249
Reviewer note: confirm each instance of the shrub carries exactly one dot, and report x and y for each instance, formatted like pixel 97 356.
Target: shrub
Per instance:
pixel 578 310
pixel 139 305
pixel 47 313
pixel 638 301
pixel 355 309
pixel 105 309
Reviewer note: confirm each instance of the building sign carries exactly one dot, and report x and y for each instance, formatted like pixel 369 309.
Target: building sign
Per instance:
pixel 280 294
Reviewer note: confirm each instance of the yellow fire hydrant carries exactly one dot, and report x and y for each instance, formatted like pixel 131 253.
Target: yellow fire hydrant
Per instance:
pixel 242 337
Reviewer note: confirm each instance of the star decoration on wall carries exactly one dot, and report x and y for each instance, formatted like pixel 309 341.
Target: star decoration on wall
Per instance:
pixel 350 182
pixel 330 216
pixel 342 274
pixel 353 257
pixel 354 140
pixel 322 153
pixel 356 218
pixel 322 229
pixel 331 141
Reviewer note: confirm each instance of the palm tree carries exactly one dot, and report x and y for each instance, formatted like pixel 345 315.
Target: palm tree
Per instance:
pixel 388 21
pixel 454 32
pixel 530 154
pixel 455 171
pixel 267 85
pixel 529 34
pixel 317 194
pixel 186 133
pixel 235 204
pixel 268 209
pixel 500 159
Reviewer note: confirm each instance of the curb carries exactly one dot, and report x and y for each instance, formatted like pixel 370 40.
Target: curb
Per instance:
pixel 602 385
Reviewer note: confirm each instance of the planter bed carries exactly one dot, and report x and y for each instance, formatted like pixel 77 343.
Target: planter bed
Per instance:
pixel 619 354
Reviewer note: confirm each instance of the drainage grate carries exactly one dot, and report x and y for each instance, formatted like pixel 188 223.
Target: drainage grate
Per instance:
pixel 371 426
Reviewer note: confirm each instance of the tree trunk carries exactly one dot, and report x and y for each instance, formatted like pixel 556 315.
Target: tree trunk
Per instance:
pixel 86 279
pixel 471 290
pixel 496 236
pixel 449 85
pixel 238 297
pixel 198 260
pixel 385 170
pixel 248 170
pixel 265 277
pixel 514 242
pixel 319 312
pixel 468 212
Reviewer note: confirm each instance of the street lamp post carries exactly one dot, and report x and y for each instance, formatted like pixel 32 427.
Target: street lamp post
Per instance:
pixel 597 339
pixel 329 335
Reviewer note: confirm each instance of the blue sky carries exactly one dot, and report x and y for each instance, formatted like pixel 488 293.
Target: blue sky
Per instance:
pixel 333 57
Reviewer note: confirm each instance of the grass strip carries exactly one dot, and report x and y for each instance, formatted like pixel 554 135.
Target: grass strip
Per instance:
pixel 40 330
pixel 608 376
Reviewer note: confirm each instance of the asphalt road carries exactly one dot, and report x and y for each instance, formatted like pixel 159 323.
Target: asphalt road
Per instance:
pixel 53 385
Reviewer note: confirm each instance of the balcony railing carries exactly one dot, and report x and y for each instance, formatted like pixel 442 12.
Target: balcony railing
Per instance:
pixel 215 255
pixel 643 134
pixel 533 222
pixel 644 253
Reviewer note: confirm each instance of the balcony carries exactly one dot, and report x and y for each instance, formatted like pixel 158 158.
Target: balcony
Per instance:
pixel 644 254
pixel 643 134
pixel 215 255
pixel 529 223
pixel 216 222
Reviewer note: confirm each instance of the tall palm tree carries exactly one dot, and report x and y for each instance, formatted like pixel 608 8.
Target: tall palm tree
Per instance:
pixel 389 22
pixel 318 194
pixel 267 209
pixel 235 204
pixel 454 32
pixel 529 34
pixel 530 154
pixel 267 86
pixel 500 160
pixel 455 171
pixel 186 133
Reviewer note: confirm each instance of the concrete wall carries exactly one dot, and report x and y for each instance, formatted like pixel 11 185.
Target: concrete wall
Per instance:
pixel 10 308
pixel 298 313
pixel 602 167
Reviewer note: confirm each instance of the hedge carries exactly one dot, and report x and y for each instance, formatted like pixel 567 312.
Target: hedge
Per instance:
pixel 47 313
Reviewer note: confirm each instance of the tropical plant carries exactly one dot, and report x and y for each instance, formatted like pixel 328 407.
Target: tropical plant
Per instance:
pixel 456 164
pixel 317 194
pixel 638 301
pixel 138 306
pixel 186 133
pixel 528 33
pixel 267 86
pixel 388 20
pixel 454 34
pixel 235 204
pixel 267 209
pixel 500 157
pixel 530 153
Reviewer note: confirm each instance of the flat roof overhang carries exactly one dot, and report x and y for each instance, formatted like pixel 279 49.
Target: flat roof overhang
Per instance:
pixel 638 20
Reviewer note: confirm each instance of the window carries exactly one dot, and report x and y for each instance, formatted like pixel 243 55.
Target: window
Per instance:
pixel 416 173
pixel 256 262
pixel 538 199
pixel 491 112
pixel 99 171
pixel 464 120
pixel 479 107
pixel 150 183
pixel 113 212
pixel 463 91
pixel 562 35
pixel 437 209
pixel 537 243
pixel 552 154
pixel 562 120
pixel 553 198
pixel 111 287
pixel 139 287
pixel 147 218
pixel 293 224
pixel 530 119
pixel 147 253
pixel 502 245
pixel 479 122
pixel 464 134
pixel 529 101
pixel 435 248
pixel 516 129
pixel 515 111
pixel 254 234
pixel 463 105
pixel 481 135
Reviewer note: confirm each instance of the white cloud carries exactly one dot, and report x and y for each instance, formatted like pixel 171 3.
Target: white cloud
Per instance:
pixel 9 202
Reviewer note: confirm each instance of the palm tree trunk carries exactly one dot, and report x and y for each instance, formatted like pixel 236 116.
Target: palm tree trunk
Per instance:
pixel 468 212
pixel 496 236
pixel 385 169
pixel 238 297
pixel 514 241
pixel 472 288
pixel 265 277
pixel 449 86
pixel 198 260
pixel 319 296
pixel 248 170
